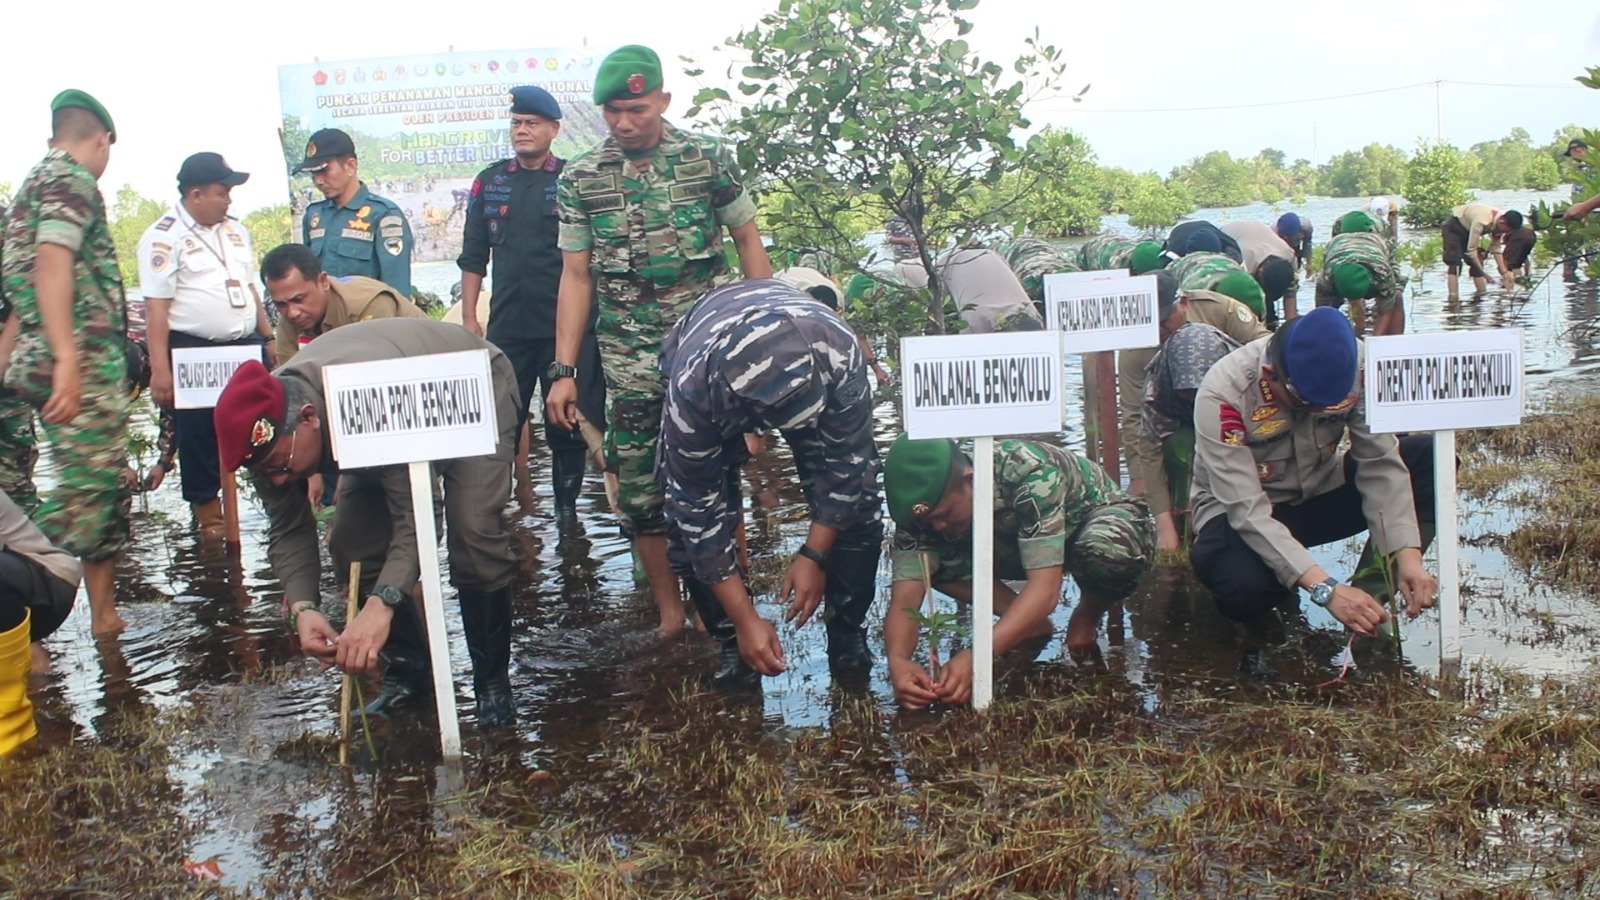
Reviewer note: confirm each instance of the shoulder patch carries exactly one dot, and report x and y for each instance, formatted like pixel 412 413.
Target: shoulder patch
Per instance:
pixel 1343 405
pixel 1243 312
pixel 160 257
pixel 165 224
pixel 1231 425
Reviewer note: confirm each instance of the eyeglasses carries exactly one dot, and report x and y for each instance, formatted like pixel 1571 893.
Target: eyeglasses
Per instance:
pixel 284 469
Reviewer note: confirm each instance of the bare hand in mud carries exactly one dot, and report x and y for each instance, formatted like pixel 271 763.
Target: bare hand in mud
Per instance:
pixel 1420 588
pixel 318 639
pixel 1356 610
pixel 759 647
pixel 362 639
pixel 803 586
pixel 955 682
pixel 912 686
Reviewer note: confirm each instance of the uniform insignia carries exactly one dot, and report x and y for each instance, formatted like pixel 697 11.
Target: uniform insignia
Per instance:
pixel 262 433
pixel 1343 405
pixel 363 212
pixel 235 239
pixel 636 83
pixel 1265 470
pixel 311 149
pixel 919 510
pixel 1268 429
pixel 165 223
pixel 1266 391
pixel 1232 425
pixel 504 210
pixel 359 234
pixel 316 219
pixel 1263 413
pixel 316 233
pixel 160 256
pixel 392 227
pixel 394 246
pixel 1243 312
pixel 359 224
pixel 189 244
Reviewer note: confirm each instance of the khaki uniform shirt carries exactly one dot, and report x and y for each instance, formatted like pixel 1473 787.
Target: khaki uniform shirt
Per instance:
pixel 353 298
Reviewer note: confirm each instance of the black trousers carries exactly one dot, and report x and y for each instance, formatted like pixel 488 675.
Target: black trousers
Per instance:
pixel 198 470
pixel 530 357
pixel 25 585
pixel 1242 584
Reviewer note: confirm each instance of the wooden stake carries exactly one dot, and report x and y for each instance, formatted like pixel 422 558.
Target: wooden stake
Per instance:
pixel 230 508
pixel 344 692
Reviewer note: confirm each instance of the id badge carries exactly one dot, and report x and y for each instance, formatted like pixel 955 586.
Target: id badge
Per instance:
pixel 235 294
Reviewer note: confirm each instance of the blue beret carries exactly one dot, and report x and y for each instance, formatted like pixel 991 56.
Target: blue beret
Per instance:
pixel 1289 224
pixel 532 100
pixel 1319 356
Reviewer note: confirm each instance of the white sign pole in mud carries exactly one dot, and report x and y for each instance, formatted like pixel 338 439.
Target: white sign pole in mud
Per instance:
pixel 980 386
pixel 417 410
pixel 1441 383
pixel 198 376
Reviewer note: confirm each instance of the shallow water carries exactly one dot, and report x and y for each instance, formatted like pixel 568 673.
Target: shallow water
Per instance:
pixel 204 629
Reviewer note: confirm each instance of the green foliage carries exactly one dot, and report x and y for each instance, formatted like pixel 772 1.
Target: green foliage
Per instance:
pixel 1152 204
pixel 1573 239
pixel 878 107
pixel 1419 255
pixel 1502 164
pixel 131 214
pixel 1217 179
pixel 1435 184
pixel 1057 193
pixel 1541 174
pixel 1377 169
pixel 269 227
pixel 937 627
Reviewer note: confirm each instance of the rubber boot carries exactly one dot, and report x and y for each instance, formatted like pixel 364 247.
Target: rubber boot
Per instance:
pixel 852 584
pixel 566 477
pixel 733 673
pixel 486 619
pixel 408 676
pixel 16 710
pixel 208 516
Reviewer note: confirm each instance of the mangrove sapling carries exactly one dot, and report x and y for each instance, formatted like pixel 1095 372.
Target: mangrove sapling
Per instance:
pixel 936 626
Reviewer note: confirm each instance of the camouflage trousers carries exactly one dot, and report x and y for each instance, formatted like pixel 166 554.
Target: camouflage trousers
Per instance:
pixel 1112 549
pixel 635 395
pixel 19 452
pixel 87 513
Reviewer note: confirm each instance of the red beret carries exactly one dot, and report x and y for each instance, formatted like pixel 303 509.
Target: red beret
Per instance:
pixel 248 415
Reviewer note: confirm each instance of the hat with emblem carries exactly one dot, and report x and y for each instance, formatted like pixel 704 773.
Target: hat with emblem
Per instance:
pixel 76 99
pixel 630 71
pixel 324 147
pixel 1351 281
pixel 1316 355
pixel 1241 287
pixel 532 100
pixel 1146 257
pixel 248 416
pixel 915 475
pixel 208 168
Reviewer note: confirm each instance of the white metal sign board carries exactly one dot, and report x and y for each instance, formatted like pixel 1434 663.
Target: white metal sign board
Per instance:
pixel 414 409
pixel 1092 275
pixel 200 373
pixel 1444 381
pixel 981 385
pixel 1113 313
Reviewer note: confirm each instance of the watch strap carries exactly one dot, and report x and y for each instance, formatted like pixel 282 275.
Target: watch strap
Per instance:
pixel 813 554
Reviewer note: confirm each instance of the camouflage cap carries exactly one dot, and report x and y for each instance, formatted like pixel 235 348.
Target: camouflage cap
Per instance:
pixel 1351 281
pixel 1146 257
pixel 915 474
pixel 74 98
pixel 1241 287
pixel 630 71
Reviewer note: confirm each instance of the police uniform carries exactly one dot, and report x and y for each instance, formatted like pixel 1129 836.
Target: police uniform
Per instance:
pixel 207 278
pixel 512 222
pixel 762 354
pixel 1270 480
pixel 368 235
pixel 986 293
pixel 351 299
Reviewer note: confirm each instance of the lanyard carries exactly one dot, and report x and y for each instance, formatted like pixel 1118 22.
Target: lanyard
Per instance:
pixel 226 270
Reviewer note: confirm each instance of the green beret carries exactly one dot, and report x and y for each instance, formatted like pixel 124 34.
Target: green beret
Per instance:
pixel 1356 221
pixel 1241 287
pixel 914 476
pixel 860 285
pixel 1146 257
pixel 74 98
pixel 1352 281
pixel 629 72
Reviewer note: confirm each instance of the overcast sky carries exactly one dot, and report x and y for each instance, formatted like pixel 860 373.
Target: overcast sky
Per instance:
pixel 206 78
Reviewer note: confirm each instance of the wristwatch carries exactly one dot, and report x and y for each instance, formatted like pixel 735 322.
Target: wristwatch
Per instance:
pixel 391 596
pixel 813 554
pixel 560 370
pixel 1322 594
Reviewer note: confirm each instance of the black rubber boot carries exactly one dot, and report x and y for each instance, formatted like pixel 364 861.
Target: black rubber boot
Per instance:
pixel 486 619
pixel 408 678
pixel 852 584
pixel 567 466
pixel 733 673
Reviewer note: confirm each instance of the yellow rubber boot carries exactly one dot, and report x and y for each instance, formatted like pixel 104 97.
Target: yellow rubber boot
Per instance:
pixel 16 711
pixel 208 516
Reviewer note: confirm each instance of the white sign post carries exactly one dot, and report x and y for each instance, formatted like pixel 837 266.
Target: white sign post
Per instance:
pixel 1440 383
pixel 980 386
pixel 198 376
pixel 416 410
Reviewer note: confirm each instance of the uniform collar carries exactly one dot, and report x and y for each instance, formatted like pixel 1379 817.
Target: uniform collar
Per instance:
pixel 189 221
pixel 359 197
pixel 672 142
pixel 552 163
pixel 62 155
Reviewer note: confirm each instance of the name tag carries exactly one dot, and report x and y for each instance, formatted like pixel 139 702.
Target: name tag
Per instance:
pixel 235 294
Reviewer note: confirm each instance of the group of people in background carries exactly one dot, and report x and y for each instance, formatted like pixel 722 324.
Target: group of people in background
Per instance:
pixel 634 299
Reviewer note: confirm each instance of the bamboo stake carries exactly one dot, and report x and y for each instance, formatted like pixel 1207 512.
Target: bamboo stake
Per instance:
pixel 344 691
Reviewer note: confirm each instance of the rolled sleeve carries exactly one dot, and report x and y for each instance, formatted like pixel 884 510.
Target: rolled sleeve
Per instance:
pixel 731 202
pixel 65 207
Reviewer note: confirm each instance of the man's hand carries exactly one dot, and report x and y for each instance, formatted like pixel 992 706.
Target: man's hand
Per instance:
pixel 318 639
pixel 161 386
pixel 314 490
pixel 803 587
pixel 66 394
pixel 1356 609
pixel 955 681
pixel 1167 532
pixel 154 477
pixel 912 686
pixel 470 322
pixel 362 639
pixel 561 407
pixel 759 647
pixel 754 443
pixel 1420 589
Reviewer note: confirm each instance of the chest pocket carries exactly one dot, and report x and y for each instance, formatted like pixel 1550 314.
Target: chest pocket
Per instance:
pixel 602 198
pixel 353 250
pixel 697 232
pixel 1275 461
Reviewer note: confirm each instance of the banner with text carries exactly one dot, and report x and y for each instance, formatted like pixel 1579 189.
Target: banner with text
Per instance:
pixel 1096 311
pixel 1444 381
pixel 976 385
pixel 424 125
pixel 414 409
pixel 200 373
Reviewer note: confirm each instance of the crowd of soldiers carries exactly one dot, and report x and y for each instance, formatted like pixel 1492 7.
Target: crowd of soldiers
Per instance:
pixel 658 355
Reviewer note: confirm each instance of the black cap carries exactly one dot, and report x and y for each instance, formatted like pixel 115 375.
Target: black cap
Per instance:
pixel 208 168
pixel 1575 144
pixel 532 100
pixel 325 146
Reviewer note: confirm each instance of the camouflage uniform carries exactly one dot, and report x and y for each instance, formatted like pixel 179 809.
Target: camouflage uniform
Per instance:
pixel 1372 252
pixel 60 203
pixel 1032 259
pixel 1202 271
pixel 656 242
pixel 1051 507
pixel 19 447
pixel 1108 251
pixel 898 227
